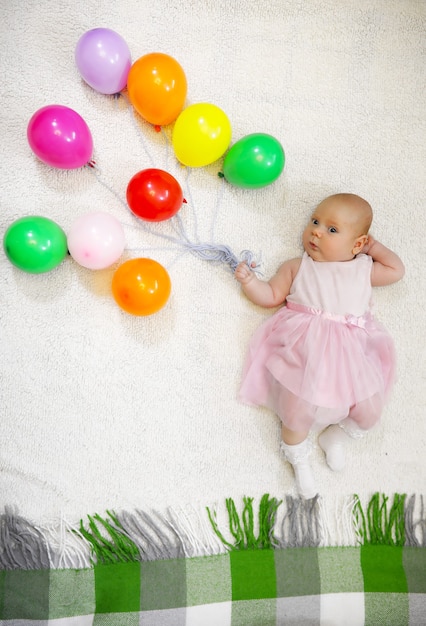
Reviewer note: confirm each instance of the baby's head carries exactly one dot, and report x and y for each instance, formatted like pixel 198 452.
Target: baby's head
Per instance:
pixel 338 228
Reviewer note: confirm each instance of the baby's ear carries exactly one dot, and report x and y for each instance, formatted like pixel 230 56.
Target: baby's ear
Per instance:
pixel 359 244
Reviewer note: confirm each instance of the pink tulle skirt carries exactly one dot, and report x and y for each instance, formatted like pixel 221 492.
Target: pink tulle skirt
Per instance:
pixel 311 367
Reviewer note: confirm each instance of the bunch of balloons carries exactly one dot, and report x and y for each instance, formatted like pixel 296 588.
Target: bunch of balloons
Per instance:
pixel 157 88
pixel 59 136
pixel 96 241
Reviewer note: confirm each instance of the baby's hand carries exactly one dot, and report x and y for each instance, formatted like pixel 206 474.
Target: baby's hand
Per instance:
pixel 243 273
pixel 368 244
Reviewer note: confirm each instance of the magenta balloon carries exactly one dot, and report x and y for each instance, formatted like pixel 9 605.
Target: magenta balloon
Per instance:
pixel 103 60
pixel 60 137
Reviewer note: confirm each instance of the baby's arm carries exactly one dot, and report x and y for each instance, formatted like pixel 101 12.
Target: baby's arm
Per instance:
pixel 387 266
pixel 267 294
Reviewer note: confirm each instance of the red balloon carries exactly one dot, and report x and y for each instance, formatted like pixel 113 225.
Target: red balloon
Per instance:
pixel 154 195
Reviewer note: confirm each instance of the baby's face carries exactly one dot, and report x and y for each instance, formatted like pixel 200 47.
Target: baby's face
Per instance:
pixel 332 232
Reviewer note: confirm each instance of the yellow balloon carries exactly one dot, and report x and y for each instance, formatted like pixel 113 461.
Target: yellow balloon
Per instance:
pixel 201 134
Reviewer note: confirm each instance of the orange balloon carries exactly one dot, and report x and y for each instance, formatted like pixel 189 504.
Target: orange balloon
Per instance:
pixel 157 86
pixel 141 286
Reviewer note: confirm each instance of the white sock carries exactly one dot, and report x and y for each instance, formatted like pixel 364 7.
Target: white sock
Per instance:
pixel 298 457
pixel 352 429
pixel 332 441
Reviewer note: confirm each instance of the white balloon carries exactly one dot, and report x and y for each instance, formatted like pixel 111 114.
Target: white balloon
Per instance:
pixel 96 240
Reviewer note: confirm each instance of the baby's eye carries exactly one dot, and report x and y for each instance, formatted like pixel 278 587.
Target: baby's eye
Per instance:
pixel 332 229
pixel 315 221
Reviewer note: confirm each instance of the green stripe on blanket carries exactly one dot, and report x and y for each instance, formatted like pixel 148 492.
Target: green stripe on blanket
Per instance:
pixel 312 585
pixel 380 581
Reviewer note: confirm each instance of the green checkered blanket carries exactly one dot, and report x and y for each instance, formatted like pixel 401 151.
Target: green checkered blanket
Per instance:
pixel 259 580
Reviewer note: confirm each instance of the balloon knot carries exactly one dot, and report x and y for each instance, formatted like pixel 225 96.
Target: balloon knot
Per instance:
pixel 185 201
pixel 157 128
pixel 117 96
pixel 221 175
pixel 91 164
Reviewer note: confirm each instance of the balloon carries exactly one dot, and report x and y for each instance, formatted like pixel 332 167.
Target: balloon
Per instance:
pixel 35 244
pixel 254 161
pixel 60 137
pixel 141 286
pixel 201 134
pixel 156 85
pixel 154 195
pixel 103 60
pixel 96 240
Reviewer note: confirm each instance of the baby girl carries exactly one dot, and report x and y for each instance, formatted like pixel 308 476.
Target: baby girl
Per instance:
pixel 322 362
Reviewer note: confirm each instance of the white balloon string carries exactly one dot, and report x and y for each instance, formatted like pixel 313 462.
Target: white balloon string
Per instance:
pixel 167 143
pixel 212 252
pixel 141 224
pixel 191 202
pixel 178 227
pixel 138 130
pixel 216 209
pixel 167 154
pixel 207 251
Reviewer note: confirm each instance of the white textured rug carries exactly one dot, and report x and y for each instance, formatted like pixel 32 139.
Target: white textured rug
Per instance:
pixel 104 410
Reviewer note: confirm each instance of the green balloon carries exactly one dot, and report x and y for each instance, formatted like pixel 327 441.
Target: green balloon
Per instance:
pixel 35 244
pixel 254 161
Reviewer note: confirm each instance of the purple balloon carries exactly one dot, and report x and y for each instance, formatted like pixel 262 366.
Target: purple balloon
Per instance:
pixel 103 60
pixel 60 137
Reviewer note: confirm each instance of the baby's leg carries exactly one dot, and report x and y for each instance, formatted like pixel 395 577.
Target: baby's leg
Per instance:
pixel 363 416
pixel 333 439
pixel 297 417
pixel 297 448
pixel 291 437
pixel 298 456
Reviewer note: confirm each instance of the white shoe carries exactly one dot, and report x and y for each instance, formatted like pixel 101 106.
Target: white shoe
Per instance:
pixel 332 440
pixel 298 457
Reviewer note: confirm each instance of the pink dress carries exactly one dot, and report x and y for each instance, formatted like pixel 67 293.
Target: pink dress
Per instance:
pixel 323 353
